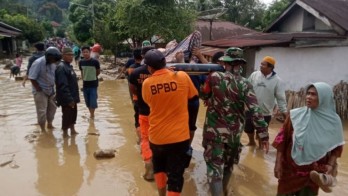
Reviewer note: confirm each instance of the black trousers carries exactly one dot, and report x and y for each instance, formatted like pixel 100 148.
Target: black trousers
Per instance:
pixel 69 116
pixel 171 159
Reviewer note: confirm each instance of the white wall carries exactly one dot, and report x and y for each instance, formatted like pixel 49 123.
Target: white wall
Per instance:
pixel 299 67
pixel 319 25
pixel 294 22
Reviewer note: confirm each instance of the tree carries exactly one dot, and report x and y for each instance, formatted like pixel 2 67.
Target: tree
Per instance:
pixel 247 13
pixel 203 5
pixel 51 12
pixel 274 11
pixel 82 22
pixel 48 28
pixel 140 20
pixel 31 30
pixel 105 28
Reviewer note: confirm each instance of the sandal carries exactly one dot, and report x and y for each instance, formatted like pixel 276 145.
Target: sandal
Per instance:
pixel 149 179
pixel 324 181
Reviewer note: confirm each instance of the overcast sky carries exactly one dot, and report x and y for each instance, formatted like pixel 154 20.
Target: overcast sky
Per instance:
pixel 266 1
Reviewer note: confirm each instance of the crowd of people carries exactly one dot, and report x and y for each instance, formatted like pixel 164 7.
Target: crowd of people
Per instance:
pixel 234 105
pixel 166 103
pixel 54 83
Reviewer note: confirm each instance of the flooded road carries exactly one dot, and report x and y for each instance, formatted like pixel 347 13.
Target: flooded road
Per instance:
pixel 48 164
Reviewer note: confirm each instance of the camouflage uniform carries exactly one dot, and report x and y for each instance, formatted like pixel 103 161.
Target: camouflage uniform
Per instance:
pixel 227 98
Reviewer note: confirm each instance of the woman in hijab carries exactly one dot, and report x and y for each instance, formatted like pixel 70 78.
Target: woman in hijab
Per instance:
pixel 308 145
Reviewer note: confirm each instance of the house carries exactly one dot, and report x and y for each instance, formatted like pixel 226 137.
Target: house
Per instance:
pixel 8 36
pixel 308 40
pixel 216 30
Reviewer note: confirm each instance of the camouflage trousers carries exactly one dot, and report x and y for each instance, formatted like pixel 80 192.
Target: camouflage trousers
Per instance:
pixel 220 158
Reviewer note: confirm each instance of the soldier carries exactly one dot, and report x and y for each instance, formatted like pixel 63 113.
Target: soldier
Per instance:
pixel 227 94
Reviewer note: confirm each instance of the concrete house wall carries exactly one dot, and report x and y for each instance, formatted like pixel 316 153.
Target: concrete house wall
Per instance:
pixel 294 22
pixel 300 66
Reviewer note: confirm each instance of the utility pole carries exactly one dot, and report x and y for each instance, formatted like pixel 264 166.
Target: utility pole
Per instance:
pixel 93 22
pixel 211 15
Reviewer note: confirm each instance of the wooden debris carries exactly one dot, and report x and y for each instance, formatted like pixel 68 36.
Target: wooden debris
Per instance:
pixel 104 154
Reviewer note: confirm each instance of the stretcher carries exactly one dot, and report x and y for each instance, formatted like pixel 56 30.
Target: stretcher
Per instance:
pixel 195 69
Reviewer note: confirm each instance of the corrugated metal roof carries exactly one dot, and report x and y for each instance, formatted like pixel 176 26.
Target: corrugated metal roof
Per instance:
pixel 267 39
pixel 4 34
pixel 4 25
pixel 9 31
pixel 243 43
pixel 220 29
pixel 335 10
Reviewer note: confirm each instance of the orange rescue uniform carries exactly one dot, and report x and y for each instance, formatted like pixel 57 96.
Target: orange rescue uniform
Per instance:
pixel 167 95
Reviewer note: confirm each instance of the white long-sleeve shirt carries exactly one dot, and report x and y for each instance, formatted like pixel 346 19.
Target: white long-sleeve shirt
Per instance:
pixel 269 91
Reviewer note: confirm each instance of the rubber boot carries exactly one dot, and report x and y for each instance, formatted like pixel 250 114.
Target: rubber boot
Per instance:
pixel 216 188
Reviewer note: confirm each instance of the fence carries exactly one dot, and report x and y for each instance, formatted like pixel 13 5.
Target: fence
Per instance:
pixel 340 90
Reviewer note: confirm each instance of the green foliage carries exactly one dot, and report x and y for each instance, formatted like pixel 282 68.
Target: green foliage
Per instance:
pixel 82 29
pixel 60 32
pixel 51 12
pixel 63 4
pixel 3 12
pixel 48 28
pixel 41 11
pixel 13 7
pixel 104 30
pixel 247 13
pixel 116 21
pixel 31 30
pixel 202 5
pixel 140 20
pixel 274 10
pixel 82 19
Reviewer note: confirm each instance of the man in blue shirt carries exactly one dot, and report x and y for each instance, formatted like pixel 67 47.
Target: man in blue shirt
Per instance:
pixel 42 77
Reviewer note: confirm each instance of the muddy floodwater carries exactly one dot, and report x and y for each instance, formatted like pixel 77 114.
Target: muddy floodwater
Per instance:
pixel 35 163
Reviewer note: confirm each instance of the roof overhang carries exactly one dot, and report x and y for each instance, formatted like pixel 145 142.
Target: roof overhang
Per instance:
pixel 9 31
pixel 321 17
pixel 4 34
pixel 275 39
pixel 281 16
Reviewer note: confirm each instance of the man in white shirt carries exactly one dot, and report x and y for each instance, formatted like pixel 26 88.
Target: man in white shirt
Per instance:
pixel 269 90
